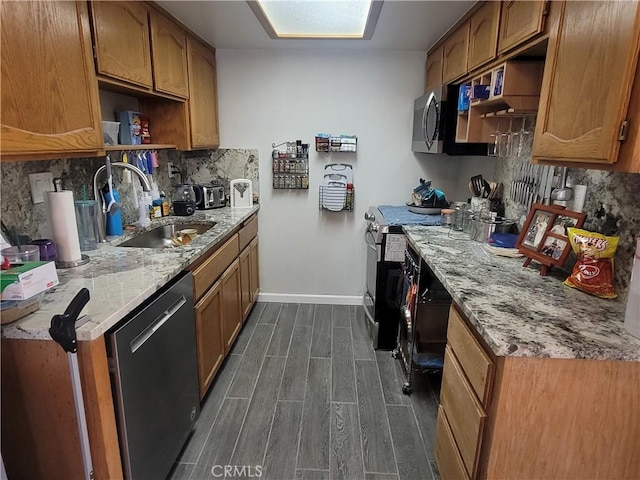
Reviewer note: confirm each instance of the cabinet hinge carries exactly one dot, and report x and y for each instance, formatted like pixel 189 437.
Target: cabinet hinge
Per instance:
pixel 624 128
pixel 545 10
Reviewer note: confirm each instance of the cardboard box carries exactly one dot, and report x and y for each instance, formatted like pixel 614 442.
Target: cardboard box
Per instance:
pixel 28 279
pixel 130 127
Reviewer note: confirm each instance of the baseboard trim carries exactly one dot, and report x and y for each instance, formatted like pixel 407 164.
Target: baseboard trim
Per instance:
pixel 303 298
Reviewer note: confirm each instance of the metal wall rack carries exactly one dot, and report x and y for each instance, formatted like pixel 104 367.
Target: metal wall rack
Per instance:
pixel 325 142
pixel 290 165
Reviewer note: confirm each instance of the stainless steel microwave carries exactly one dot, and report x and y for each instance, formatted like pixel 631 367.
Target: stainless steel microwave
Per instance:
pixel 434 124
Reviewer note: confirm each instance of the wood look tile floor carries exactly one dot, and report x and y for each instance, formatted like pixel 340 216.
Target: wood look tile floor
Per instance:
pixel 303 395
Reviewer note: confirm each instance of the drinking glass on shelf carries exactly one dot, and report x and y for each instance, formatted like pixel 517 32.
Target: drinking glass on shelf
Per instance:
pixel 506 142
pixel 526 138
pixel 494 142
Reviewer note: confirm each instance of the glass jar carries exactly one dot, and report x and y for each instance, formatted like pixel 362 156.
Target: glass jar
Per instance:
pixel 458 217
pixel 447 216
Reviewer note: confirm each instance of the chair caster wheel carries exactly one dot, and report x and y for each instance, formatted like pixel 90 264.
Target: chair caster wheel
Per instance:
pixel 406 389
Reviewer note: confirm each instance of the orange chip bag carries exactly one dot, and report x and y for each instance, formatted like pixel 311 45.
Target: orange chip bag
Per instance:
pixel 593 271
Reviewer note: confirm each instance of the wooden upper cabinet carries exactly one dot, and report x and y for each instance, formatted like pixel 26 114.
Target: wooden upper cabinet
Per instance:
pixel 49 91
pixel 169 53
pixel 519 21
pixel 121 37
pixel 203 104
pixel 454 63
pixel 588 77
pixel 433 69
pixel 483 35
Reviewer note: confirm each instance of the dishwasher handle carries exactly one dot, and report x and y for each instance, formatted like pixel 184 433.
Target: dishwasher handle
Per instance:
pixel 63 327
pixel 146 334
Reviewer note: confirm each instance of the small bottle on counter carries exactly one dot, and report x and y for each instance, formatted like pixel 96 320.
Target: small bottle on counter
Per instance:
pixel 164 204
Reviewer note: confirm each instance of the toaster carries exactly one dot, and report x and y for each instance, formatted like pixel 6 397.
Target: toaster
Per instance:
pixel 209 196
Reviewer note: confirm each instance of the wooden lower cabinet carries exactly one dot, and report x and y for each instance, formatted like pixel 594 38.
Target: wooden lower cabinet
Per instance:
pixel 249 279
pixel 245 281
pixel 545 418
pixel 232 315
pixel 210 344
pixel 254 270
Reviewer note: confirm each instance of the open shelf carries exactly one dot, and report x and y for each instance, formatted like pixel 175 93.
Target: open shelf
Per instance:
pixel 511 89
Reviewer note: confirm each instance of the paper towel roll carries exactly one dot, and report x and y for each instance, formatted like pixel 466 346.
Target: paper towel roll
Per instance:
pixel 61 216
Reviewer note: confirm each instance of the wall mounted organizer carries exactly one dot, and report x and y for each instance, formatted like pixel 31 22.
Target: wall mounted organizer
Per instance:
pixel 336 190
pixel 290 165
pixel 325 142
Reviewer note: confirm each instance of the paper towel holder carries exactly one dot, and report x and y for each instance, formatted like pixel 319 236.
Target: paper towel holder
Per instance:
pixel 84 259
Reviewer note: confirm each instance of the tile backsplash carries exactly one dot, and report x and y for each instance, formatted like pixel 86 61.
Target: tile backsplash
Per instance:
pixel 17 209
pixel 611 205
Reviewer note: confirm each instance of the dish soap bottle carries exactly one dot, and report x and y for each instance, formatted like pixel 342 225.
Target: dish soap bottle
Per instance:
pixel 632 316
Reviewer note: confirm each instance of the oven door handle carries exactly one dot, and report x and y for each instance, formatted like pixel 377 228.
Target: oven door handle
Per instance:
pixel 370 239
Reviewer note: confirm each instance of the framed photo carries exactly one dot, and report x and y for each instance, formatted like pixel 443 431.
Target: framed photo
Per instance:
pixel 536 229
pixel 544 235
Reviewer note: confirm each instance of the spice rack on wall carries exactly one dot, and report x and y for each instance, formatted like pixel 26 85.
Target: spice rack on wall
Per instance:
pixel 325 142
pixel 290 165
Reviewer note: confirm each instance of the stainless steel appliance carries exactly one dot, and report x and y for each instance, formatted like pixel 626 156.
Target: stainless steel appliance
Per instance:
pixel 422 335
pixel 434 124
pixel 152 361
pixel 184 200
pixel 385 250
pixel 209 196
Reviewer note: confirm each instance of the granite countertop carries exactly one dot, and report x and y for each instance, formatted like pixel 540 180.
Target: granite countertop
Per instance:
pixel 517 311
pixel 121 278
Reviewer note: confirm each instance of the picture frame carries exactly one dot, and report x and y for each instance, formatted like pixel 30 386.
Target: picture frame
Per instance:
pixel 543 237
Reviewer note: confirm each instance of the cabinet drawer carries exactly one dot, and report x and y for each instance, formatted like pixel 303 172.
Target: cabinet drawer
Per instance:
pixel 464 413
pixel 448 457
pixel 206 274
pixel 475 362
pixel 247 232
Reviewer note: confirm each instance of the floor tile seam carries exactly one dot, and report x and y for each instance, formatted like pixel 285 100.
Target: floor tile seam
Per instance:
pixel 275 356
pixel 273 417
pixel 314 469
pixel 330 393
pixel 251 397
pixel 306 371
pixel 215 418
pixel 364 467
pixel 424 443
pixel 293 326
pixel 343 403
pixel 319 358
pixel 237 398
pixel 306 382
pixel 386 416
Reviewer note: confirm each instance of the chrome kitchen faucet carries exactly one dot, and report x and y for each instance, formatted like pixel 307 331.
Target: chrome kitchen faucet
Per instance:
pixel 146 186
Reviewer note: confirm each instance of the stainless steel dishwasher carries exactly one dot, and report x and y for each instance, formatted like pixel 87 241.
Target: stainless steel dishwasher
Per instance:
pixel 152 362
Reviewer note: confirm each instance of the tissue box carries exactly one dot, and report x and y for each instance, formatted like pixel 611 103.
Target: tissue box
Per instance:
pixel 26 280
pixel 130 127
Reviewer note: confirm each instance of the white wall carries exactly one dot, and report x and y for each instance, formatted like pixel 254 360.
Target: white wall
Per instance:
pixel 270 97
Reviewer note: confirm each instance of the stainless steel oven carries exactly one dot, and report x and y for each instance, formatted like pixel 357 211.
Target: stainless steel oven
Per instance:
pixel 385 254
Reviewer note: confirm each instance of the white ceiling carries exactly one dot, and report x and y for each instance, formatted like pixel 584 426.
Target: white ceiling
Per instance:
pixel 403 25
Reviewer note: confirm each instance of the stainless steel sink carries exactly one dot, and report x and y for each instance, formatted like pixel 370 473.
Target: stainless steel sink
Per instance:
pixel 160 237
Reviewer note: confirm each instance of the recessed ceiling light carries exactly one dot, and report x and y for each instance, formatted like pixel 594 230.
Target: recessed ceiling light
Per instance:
pixel 319 19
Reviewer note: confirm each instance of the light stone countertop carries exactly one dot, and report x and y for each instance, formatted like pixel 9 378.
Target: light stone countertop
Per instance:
pixel 120 278
pixel 517 311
